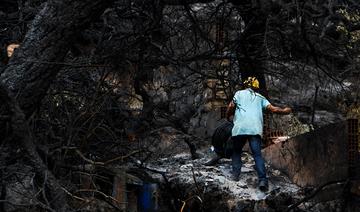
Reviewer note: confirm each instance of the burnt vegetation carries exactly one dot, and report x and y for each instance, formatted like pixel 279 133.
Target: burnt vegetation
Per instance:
pixel 92 80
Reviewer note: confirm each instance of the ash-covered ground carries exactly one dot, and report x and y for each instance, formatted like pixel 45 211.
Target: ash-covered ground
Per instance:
pixel 213 183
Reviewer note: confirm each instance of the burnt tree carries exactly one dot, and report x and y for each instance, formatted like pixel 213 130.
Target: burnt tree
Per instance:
pixel 31 71
pixel 49 105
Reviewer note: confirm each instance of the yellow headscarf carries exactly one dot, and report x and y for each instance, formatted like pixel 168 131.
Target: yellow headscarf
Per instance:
pixel 252 82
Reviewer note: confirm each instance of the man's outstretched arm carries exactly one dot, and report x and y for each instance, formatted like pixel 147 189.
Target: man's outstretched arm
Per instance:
pixel 278 110
pixel 230 110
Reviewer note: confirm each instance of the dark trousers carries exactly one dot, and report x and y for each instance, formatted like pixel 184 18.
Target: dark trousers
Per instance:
pixel 255 146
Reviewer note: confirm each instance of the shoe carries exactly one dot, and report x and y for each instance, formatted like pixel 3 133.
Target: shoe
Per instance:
pixel 263 186
pixel 213 160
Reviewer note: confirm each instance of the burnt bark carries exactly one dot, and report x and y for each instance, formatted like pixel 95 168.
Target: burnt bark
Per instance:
pixel 32 69
pixel 22 135
pixel 251 46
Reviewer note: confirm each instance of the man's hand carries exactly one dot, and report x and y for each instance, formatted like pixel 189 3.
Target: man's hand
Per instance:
pixel 279 110
pixel 287 110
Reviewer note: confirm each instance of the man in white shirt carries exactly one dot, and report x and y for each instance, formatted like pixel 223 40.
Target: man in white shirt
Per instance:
pixel 247 107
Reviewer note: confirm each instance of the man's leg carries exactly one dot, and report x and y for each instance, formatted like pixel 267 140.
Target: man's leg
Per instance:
pixel 255 146
pixel 238 144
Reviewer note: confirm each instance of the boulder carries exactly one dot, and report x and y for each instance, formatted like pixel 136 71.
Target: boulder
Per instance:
pixel 168 141
pixel 312 158
pixel 210 188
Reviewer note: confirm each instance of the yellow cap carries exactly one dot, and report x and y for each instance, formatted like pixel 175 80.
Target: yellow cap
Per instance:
pixel 252 82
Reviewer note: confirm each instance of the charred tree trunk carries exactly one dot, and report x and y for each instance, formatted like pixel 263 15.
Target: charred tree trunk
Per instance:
pixel 251 53
pixel 33 67
pixel 30 72
pixel 252 47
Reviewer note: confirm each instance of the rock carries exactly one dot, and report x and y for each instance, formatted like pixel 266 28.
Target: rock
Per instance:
pixel 312 158
pixel 167 141
pixel 211 189
pixel 300 96
pixel 218 191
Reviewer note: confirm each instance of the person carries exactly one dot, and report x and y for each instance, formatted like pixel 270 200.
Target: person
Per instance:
pixel 247 109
